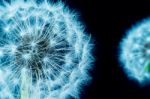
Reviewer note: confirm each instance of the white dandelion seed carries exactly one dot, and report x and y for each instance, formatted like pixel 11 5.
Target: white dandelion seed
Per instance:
pixel 44 52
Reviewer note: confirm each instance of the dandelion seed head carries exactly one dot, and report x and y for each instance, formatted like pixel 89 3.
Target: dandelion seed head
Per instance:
pixel 135 52
pixel 44 51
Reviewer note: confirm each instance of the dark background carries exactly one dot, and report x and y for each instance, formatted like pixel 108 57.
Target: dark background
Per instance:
pixel 108 22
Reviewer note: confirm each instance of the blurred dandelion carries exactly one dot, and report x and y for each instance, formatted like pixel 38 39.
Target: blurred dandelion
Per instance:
pixel 135 52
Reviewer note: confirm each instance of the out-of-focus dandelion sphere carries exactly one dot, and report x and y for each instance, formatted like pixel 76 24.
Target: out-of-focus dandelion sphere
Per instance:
pixel 135 52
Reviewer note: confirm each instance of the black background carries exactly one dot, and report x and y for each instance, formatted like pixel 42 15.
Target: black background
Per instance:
pixel 108 22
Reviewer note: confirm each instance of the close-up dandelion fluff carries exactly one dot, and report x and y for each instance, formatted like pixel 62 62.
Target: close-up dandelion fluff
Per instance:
pixel 135 52
pixel 44 51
